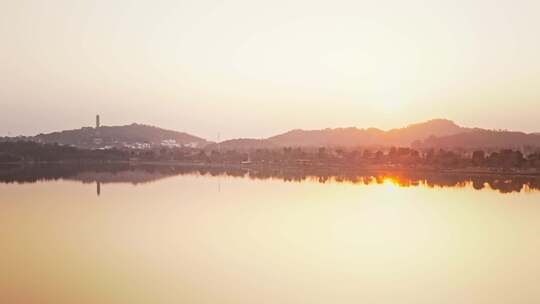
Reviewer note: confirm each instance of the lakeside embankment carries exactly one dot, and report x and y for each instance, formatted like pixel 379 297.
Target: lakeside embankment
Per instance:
pixel 312 168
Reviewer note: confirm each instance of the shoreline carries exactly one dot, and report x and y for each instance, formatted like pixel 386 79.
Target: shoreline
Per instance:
pixel 336 169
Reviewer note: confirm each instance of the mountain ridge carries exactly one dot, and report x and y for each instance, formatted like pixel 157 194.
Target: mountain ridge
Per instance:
pixel 434 133
pixel 353 136
pixel 481 138
pixel 88 137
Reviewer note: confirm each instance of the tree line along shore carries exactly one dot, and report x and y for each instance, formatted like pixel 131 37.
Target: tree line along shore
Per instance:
pixel 496 160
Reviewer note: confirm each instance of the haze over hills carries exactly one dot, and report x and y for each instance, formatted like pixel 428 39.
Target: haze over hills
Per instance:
pixel 484 139
pixel 352 137
pixel 436 133
pixel 368 137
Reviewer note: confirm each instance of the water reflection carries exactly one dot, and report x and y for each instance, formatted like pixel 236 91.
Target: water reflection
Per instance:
pixel 141 174
pixel 273 236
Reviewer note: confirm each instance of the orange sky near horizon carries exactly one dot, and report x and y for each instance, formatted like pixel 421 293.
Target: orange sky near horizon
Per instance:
pixel 254 69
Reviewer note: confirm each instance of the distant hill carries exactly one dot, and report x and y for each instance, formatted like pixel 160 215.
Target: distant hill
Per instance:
pixel 479 138
pixel 437 133
pixel 347 137
pixel 441 133
pixel 326 137
pixel 117 135
pixel 417 132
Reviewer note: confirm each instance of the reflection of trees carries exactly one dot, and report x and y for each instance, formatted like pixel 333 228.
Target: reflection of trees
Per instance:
pixel 135 174
pixel 109 173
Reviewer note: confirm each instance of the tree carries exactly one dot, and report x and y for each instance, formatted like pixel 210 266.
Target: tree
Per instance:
pixel 367 154
pixel 478 158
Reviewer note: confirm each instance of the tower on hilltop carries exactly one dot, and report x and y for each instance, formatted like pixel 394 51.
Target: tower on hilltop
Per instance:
pixel 97 121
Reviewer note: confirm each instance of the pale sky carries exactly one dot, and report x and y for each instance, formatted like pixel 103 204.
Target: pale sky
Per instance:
pixel 257 68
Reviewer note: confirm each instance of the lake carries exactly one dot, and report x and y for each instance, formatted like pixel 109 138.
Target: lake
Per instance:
pixel 209 235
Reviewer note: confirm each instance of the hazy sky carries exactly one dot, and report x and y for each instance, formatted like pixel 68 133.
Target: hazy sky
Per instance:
pixel 255 68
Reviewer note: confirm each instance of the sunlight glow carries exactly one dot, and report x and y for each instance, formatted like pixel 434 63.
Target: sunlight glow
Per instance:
pixel 198 66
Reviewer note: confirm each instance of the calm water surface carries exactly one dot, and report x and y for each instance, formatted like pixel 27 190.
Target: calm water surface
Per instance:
pixel 192 238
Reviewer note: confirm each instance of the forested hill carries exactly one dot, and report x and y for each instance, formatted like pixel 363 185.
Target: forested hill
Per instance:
pixel 483 139
pixel 117 135
pixel 368 137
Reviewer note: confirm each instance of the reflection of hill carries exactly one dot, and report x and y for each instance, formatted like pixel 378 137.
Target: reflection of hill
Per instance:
pixel 129 176
pixel 140 174
pixel 116 173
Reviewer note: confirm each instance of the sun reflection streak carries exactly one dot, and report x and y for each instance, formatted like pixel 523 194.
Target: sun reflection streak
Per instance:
pixel 356 176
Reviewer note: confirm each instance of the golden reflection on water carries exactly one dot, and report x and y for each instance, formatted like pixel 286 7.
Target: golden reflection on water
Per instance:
pixel 142 174
pixel 217 239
